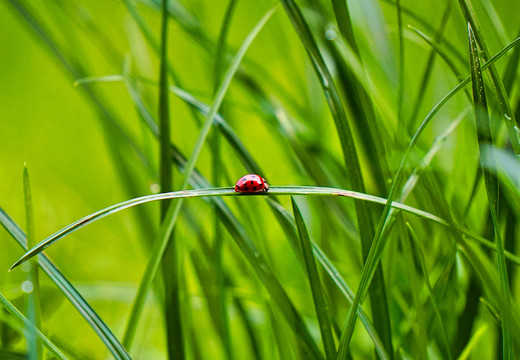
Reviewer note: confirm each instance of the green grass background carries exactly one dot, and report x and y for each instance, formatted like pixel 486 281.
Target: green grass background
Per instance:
pixel 87 147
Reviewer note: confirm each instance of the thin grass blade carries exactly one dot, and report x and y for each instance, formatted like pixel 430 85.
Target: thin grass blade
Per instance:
pixel 351 160
pixel 23 321
pixel 497 84
pixel 375 253
pixel 315 284
pixel 217 292
pixel 170 270
pixel 484 137
pixel 92 318
pixel 229 191
pixel 35 351
pixel 172 214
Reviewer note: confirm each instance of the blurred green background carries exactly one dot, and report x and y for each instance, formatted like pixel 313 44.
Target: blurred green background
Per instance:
pixel 86 147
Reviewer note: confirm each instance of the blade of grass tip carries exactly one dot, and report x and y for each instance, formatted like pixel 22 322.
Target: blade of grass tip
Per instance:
pixel 484 138
pixel 437 48
pixel 315 284
pixel 499 90
pixel 173 211
pixel 23 321
pixel 352 163
pixel 92 318
pixel 251 254
pixel 368 269
pixel 35 351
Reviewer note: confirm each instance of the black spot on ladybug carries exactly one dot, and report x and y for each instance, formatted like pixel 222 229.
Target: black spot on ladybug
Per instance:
pixel 246 188
pixel 251 182
pixel 254 188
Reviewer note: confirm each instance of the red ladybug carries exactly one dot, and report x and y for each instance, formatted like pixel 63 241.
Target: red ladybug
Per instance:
pixel 251 183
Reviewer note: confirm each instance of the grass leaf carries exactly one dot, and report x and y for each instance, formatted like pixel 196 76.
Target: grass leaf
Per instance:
pixel 34 302
pixel 351 160
pixel 22 320
pixel 485 139
pixel 170 218
pixel 93 319
pixel 315 283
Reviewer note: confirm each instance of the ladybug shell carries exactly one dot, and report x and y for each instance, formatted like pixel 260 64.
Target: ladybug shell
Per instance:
pixel 251 183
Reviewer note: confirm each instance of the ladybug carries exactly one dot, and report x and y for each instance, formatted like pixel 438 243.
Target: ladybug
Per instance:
pixel 251 183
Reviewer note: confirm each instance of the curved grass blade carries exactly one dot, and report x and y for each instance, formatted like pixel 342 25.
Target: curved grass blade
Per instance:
pixel 484 137
pixel 70 292
pixel 378 243
pixel 492 284
pixel 426 24
pixel 173 211
pixel 441 51
pixel 288 225
pixel 315 284
pixel 23 321
pixel 428 68
pixel 498 86
pixel 226 191
pixel 351 160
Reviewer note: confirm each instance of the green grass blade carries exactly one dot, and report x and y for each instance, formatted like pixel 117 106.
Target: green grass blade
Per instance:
pixel 92 318
pixel 212 192
pixel 491 282
pixel 217 294
pixel 439 50
pixel 170 270
pixel 351 160
pixel 401 126
pixel 426 276
pixel 360 100
pixel 475 339
pixel 484 137
pixel 288 225
pixel 165 168
pixel 344 22
pixel 34 302
pixel 172 214
pixel 220 96
pixel 22 320
pixel 497 84
pixel 315 283
pixel 510 76
pixel 428 68
pixel 378 243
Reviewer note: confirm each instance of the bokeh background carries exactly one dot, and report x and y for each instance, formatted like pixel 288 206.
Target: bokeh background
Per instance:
pixel 86 146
